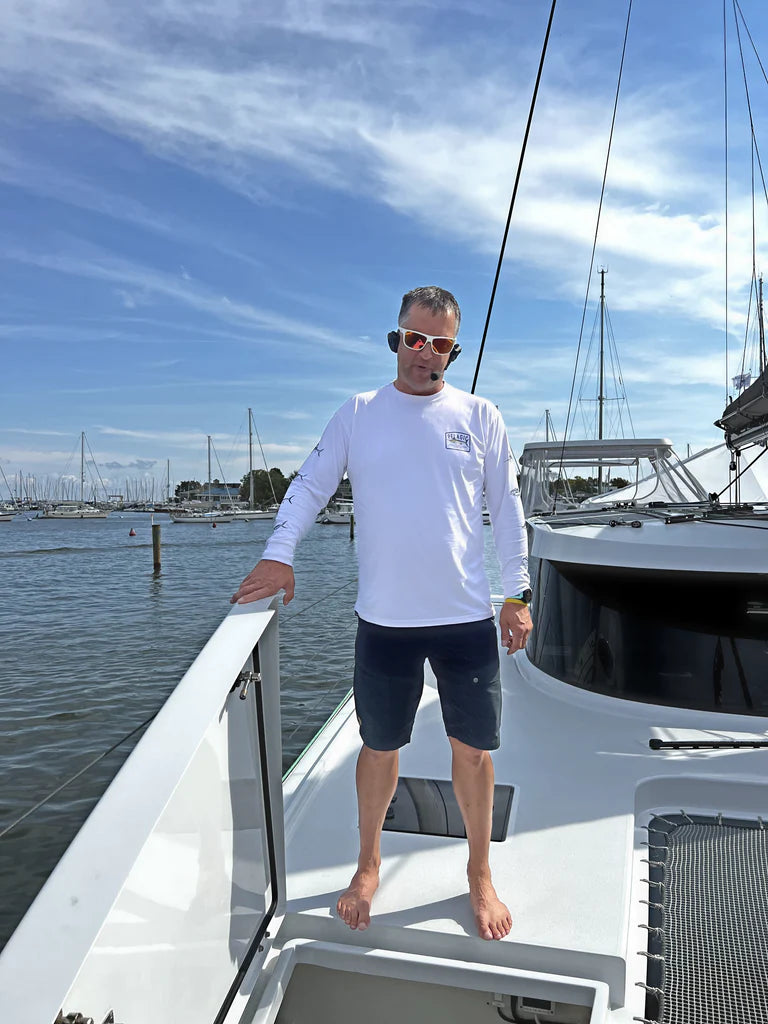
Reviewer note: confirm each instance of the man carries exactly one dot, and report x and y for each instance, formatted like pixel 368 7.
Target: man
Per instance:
pixel 419 454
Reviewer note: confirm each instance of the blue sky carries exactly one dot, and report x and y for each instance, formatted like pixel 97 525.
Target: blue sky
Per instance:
pixel 206 206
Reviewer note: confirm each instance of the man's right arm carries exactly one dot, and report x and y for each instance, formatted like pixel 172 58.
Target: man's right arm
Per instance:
pixel 309 491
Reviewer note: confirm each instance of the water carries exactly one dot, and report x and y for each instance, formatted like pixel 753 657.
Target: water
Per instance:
pixel 93 642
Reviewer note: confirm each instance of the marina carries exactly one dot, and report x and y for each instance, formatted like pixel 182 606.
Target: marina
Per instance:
pixel 183 807
pixel 618 748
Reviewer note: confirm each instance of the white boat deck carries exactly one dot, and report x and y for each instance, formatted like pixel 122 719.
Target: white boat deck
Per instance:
pixel 570 868
pixel 172 880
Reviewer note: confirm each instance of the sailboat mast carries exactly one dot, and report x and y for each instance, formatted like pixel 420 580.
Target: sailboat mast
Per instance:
pixel 761 324
pixel 251 503
pixel 167 481
pixel 601 395
pixel 82 464
pixel 209 470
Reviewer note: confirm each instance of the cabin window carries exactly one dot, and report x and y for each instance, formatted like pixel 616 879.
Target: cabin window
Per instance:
pixel 697 640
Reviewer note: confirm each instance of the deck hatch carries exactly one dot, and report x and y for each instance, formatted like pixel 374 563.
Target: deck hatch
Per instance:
pixel 428 807
pixel 708 920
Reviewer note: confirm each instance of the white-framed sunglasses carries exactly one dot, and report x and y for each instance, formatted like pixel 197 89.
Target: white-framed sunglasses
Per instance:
pixel 416 340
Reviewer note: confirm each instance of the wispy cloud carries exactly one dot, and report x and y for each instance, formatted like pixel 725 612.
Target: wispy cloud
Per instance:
pixel 105 267
pixel 381 127
pixel 142 465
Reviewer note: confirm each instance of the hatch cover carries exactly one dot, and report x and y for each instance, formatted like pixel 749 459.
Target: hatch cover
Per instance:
pixel 429 807
pixel 708 920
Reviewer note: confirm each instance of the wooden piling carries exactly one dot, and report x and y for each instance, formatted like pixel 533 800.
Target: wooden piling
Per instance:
pixel 352 526
pixel 156 546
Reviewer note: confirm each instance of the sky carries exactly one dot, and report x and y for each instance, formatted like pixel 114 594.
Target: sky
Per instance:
pixel 211 206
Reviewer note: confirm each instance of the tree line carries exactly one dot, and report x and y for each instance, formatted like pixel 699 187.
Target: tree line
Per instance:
pixel 262 491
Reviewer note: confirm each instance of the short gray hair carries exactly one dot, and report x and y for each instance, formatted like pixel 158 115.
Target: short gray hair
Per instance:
pixel 436 300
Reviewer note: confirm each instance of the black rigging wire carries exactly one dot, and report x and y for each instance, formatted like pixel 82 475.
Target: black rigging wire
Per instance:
pixel 749 34
pixel 748 466
pixel 148 721
pixel 755 147
pixel 514 195
pixel 592 257
pixel 725 133
pixel 306 608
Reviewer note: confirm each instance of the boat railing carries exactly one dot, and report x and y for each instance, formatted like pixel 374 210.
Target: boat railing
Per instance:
pixel 151 868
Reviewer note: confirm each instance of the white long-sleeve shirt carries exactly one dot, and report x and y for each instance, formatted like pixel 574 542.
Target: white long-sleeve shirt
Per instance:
pixel 418 465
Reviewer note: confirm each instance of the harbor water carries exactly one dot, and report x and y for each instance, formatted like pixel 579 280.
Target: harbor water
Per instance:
pixel 93 642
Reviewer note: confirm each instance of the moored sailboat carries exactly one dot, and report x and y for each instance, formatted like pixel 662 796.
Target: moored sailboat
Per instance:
pixel 75 509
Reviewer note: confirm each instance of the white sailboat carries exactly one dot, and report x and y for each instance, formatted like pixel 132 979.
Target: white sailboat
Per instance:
pixel 253 513
pixel 76 509
pixel 629 833
pixel 217 890
pixel 8 509
pixel 200 516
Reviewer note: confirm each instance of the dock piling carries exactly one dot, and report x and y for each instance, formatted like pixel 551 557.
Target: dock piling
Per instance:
pixel 156 546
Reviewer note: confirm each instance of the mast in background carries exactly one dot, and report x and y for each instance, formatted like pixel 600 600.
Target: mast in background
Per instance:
pixel 251 503
pixel 209 471
pixel 761 324
pixel 601 391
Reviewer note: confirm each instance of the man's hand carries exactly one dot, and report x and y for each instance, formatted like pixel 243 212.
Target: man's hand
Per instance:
pixel 264 581
pixel 515 626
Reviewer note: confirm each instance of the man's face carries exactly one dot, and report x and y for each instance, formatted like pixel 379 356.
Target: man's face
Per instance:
pixel 414 368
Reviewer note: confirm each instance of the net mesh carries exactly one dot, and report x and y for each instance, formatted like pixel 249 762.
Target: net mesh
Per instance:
pixel 708 917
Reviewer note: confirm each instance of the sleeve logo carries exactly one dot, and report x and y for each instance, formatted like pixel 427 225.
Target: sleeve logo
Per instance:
pixel 457 441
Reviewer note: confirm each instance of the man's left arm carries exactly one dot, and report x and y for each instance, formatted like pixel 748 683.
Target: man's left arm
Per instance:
pixel 502 496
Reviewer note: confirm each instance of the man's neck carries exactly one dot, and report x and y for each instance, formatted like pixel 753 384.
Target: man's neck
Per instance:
pixel 406 390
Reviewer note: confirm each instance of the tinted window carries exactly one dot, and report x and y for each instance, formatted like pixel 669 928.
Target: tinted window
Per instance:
pixel 690 639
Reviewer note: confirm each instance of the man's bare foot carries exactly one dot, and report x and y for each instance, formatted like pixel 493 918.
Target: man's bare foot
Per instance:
pixel 492 917
pixel 354 906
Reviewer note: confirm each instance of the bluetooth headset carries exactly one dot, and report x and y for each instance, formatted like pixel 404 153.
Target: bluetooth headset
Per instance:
pixel 394 341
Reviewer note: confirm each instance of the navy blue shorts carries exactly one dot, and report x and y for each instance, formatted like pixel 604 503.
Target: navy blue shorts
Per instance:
pixel 389 679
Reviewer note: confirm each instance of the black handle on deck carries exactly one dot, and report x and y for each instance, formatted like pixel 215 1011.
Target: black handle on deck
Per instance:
pixel 656 744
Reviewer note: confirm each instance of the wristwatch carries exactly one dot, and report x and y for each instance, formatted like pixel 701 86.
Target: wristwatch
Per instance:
pixel 523 598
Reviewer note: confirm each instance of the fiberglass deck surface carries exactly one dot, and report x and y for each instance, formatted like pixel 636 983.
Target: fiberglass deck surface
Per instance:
pixel 576 760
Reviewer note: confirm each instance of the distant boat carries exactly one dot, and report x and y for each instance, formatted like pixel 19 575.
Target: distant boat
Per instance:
pixel 246 515
pixel 8 509
pixel 188 516
pixel 76 509
pixel 338 513
pixel 73 510
pixel 252 512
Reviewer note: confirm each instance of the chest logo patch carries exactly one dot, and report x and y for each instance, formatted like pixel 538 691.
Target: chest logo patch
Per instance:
pixel 456 441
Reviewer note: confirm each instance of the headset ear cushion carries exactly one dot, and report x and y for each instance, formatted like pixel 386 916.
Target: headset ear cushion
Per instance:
pixel 455 352
pixel 394 340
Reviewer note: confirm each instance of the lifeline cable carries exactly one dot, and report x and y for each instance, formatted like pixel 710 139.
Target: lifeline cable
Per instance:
pixel 146 722
pixel 77 775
